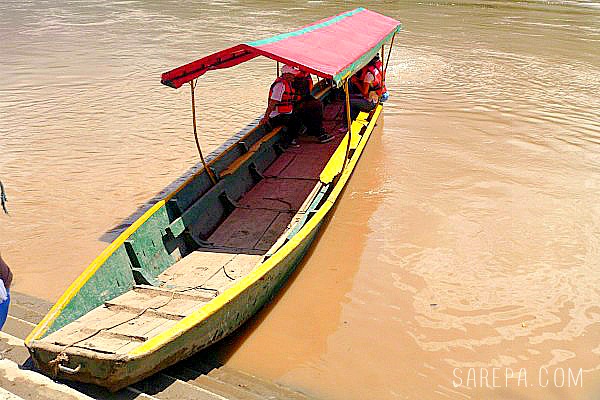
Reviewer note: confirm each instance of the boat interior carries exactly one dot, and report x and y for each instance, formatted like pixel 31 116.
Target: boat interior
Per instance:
pixel 216 233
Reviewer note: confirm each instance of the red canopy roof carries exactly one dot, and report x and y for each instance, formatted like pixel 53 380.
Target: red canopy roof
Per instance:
pixel 333 48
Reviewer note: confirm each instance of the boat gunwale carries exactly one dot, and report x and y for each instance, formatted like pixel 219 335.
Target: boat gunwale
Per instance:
pixel 64 300
pixel 41 328
pixel 262 268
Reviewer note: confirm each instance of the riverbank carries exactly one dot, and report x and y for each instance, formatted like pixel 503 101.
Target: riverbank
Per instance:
pixel 198 378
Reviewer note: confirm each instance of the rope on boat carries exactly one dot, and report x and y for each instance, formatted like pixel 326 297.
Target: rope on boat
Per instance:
pixel 62 356
pixel 55 364
pixel 3 198
pixel 209 172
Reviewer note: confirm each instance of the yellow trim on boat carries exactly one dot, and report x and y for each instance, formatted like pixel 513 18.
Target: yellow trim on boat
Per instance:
pixel 41 328
pixel 230 294
pixel 336 162
pixel 62 302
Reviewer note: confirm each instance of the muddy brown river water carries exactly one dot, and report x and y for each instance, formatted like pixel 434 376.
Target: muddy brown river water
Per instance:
pixel 463 258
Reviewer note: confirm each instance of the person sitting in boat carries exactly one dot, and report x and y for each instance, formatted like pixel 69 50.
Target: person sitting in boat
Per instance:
pixel 292 105
pixel 6 277
pixel 367 88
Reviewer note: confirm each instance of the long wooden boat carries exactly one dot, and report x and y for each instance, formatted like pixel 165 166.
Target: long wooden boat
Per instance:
pixel 206 258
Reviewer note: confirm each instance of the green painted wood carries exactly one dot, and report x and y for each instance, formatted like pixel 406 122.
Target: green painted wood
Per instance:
pixel 148 244
pixel 115 374
pixel 112 279
pixel 309 212
pixel 149 252
pixel 201 184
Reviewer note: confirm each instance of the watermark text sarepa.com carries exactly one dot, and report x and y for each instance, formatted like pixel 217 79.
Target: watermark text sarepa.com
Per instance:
pixel 522 377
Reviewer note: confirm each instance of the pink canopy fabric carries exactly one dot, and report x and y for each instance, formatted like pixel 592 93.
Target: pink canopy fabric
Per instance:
pixel 333 48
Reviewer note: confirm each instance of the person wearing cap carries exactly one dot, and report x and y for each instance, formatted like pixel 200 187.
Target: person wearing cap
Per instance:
pixel 6 277
pixel 291 104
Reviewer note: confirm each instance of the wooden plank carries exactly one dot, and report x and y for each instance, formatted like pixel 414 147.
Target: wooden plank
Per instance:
pixel 196 259
pixel 241 265
pixel 163 304
pixel 277 228
pixel 195 269
pixel 138 327
pixel 299 216
pixel 240 160
pixel 70 334
pixel 307 165
pixel 180 294
pixel 154 332
pixel 137 300
pixel 243 228
pixel 280 164
pixel 104 343
pixel 278 194
pixel 157 313
pixel 119 339
pixel 99 318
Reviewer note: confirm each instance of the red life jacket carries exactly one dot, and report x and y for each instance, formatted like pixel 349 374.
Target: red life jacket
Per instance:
pixel 377 86
pixel 289 97
pixel 379 66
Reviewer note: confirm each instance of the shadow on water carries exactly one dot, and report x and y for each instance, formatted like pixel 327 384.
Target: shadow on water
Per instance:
pixel 321 273
pixel 301 324
pixel 110 235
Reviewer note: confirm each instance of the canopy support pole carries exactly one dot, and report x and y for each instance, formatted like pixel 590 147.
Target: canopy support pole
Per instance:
pixel 206 168
pixel 278 69
pixel 349 121
pixel 388 57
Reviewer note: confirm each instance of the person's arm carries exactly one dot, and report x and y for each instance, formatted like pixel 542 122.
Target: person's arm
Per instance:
pixel 362 86
pixel 5 273
pixel 364 89
pixel 276 94
pixel 365 85
pixel 270 108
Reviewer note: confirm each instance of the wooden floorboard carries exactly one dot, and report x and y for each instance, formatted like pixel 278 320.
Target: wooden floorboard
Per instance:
pixel 279 225
pixel 278 194
pixel 262 216
pixel 243 228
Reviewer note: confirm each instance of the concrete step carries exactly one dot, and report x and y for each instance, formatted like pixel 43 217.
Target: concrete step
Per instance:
pixel 166 387
pixel 25 312
pixel 221 389
pixel 28 308
pixel 204 373
pixel 200 377
pixel 6 395
pixel 29 385
pixel 12 348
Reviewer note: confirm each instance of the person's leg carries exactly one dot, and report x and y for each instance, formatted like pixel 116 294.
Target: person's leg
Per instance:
pixel 310 112
pixel 311 115
pixel 358 104
pixel 291 122
pixel 4 309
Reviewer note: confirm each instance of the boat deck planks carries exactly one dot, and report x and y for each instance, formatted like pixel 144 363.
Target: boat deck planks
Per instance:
pixel 259 220
pixel 278 194
pixel 277 227
pixel 195 269
pixel 243 228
